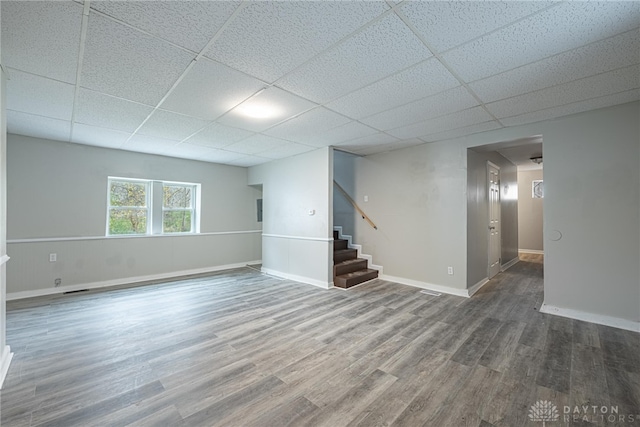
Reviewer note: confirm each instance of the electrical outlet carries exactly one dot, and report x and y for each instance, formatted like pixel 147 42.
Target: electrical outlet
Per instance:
pixel 450 271
pixel 53 257
pixel 57 282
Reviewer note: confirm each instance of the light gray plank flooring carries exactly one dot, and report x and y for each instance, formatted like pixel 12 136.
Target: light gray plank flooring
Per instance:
pixel 238 348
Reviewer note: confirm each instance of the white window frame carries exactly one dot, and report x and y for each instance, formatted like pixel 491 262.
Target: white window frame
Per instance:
pixel 195 197
pixel 155 206
pixel 147 208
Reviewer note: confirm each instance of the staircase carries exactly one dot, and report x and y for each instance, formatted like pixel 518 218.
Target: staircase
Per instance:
pixel 348 269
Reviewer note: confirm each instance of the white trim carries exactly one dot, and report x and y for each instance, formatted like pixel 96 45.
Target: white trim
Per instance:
pixel 358 248
pixel 124 281
pixel 424 285
pixel 314 239
pixel 530 251
pixel 139 236
pixel 475 288
pixel 296 278
pixel 614 322
pixel 4 259
pixel 5 361
pixel 505 267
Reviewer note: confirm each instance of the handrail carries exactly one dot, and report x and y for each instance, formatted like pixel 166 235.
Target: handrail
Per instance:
pixel 355 206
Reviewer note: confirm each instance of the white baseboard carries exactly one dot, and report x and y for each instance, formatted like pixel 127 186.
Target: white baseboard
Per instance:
pixel 475 288
pixel 124 281
pixel 531 251
pixel 296 278
pixel 5 361
pixel 351 245
pixel 614 322
pixel 424 285
pixel 505 267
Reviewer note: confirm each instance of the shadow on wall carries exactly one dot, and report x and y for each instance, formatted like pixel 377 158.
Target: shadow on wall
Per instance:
pixel 344 174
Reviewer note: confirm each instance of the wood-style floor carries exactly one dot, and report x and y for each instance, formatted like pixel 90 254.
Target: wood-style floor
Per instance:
pixel 242 349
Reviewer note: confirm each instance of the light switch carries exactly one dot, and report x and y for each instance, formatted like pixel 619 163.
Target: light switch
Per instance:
pixel 366 198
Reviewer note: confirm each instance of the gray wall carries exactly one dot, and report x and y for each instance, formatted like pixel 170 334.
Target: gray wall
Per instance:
pixel 417 198
pixel 57 200
pixel 530 212
pixel 344 174
pixel 295 244
pixel 592 211
pixel 478 213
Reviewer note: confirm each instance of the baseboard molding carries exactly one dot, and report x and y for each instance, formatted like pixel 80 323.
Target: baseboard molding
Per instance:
pixel 351 245
pixel 5 361
pixel 508 265
pixel 425 285
pixel 614 322
pixel 530 251
pixel 475 288
pixel 296 278
pixel 124 281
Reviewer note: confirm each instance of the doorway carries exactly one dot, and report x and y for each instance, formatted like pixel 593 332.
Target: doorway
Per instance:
pixel 495 235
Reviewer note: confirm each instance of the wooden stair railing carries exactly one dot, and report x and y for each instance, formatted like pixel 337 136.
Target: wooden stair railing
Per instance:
pixel 355 206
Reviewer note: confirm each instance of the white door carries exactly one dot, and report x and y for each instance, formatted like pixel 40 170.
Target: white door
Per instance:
pixel 493 194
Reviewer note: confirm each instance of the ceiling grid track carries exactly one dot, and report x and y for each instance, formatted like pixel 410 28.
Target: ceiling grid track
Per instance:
pixel 83 40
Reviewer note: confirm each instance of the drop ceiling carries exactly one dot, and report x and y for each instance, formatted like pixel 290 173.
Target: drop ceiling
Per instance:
pixel 172 78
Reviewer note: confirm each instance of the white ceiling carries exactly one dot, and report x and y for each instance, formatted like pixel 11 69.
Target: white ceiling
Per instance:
pixel 167 77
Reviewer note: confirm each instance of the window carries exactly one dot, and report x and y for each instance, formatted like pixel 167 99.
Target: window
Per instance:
pixel 537 189
pixel 178 210
pixel 142 207
pixel 128 207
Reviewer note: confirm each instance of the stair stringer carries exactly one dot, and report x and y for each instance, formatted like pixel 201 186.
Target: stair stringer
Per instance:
pixel 351 245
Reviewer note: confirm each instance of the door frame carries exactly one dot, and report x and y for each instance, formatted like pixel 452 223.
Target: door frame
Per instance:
pixel 488 187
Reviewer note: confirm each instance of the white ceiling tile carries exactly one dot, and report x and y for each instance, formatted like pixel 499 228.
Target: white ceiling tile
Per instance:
pixel 219 156
pixel 463 131
pixel 255 144
pixel 447 102
pixel 187 24
pixel 249 161
pixel 210 89
pixel 599 57
pixel 127 63
pixel 308 125
pixel 603 84
pixel 189 151
pixel 424 79
pixel 41 96
pixel 37 126
pixel 167 125
pixel 446 24
pixel 350 131
pixel 443 123
pixel 383 148
pixel 269 39
pixel 149 144
pixel 286 150
pixel 378 51
pixel 283 104
pixel 574 108
pixel 97 109
pixel 218 136
pixel 42 37
pixel 561 28
pixel 368 141
pixel 101 137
